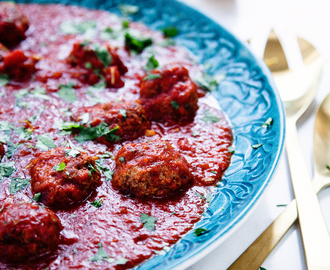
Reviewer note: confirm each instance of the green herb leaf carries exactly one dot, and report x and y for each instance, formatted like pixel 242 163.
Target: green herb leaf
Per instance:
pixel 200 231
pixel 22 93
pixel 128 9
pixel 40 92
pixel 102 54
pixel 121 261
pixel 97 203
pixel 175 105
pixel 4 79
pixel 208 82
pixel 67 93
pixel 11 149
pixel 170 31
pixel 267 123
pixel 45 142
pixel 148 221
pixel 123 113
pixel 152 63
pixel 59 167
pixel 200 195
pixel 125 24
pixel 209 117
pixel 24 134
pixel 256 146
pixel 122 159
pixel 72 152
pixel 4 138
pixel 74 27
pixel 18 184
pixel 100 86
pixel 6 169
pixel 195 133
pixel 137 44
pixel 209 197
pixel 151 76
pixel 36 197
pixel 231 149
pixel 100 255
pixel 6 127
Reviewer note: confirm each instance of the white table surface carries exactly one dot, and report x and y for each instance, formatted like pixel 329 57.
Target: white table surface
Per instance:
pixel 247 19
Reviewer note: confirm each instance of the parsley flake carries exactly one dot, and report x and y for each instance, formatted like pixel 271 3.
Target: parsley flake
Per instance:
pixel 137 44
pixel 75 27
pixel 209 82
pixel 148 221
pixel 18 184
pixel 4 79
pixel 200 231
pixel 6 169
pixel 121 261
pixel 102 54
pixel 59 167
pixel 72 152
pixel 36 197
pixel 152 63
pixel 175 105
pixel 123 112
pixel 67 93
pixel 100 255
pixel 152 76
pixel 45 142
pixel 170 31
pixel 256 146
pixel 11 149
pixel 122 159
pixel 97 203
pixel 209 117
pixel 267 123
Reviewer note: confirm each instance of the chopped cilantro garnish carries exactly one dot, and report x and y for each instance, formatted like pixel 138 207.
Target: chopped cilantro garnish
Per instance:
pixel 231 149
pixel 256 146
pixel 137 44
pixel 72 152
pixel 4 79
pixel 267 123
pixel 214 172
pixel 281 205
pixel 125 24
pixel 175 105
pixel 6 127
pixel 195 133
pixel 84 118
pixel 6 169
pixel 100 86
pixel 4 138
pixel 200 231
pixel 102 54
pixel 151 76
pixel 88 65
pixel 24 134
pixel 36 197
pixel 122 159
pixel 209 197
pixel 67 93
pixel 59 167
pixel 199 195
pixel 208 82
pixel 209 117
pixel 74 27
pixel 170 31
pixel 99 163
pixel 45 142
pixel 100 255
pixel 40 92
pixel 97 203
pixel 152 63
pixel 121 261
pixel 128 9
pixel 22 93
pixel 148 221
pixel 123 112
pixel 11 149
pixel 18 184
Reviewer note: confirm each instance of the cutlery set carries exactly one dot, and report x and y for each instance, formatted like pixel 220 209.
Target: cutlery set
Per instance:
pixel 297 86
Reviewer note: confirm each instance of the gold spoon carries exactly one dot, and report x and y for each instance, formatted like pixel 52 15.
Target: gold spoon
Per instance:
pixel 314 231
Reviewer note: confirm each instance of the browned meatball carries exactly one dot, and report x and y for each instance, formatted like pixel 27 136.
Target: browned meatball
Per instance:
pixel 2 151
pixel 18 65
pixel 172 96
pixel 27 232
pixel 127 117
pixel 93 56
pixel 64 180
pixel 13 24
pixel 151 169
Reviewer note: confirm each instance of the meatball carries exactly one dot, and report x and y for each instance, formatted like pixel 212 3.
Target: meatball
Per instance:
pixel 27 232
pixel 64 180
pixel 93 56
pixel 18 65
pixel 169 97
pixel 13 24
pixel 150 170
pixel 127 119
pixel 2 150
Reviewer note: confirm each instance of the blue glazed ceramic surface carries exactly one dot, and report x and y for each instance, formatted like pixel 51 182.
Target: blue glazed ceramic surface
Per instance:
pixel 249 98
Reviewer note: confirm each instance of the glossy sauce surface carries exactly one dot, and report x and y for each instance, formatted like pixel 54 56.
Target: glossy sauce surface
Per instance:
pixel 116 225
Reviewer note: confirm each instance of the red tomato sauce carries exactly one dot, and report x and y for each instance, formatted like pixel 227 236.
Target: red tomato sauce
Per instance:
pixel 116 224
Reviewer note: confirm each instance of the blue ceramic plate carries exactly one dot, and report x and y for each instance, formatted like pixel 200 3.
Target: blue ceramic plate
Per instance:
pixel 247 95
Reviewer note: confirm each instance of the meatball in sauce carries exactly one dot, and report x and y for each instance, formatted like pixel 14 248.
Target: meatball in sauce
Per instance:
pixel 150 170
pixel 27 232
pixel 64 180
